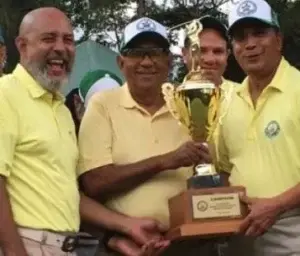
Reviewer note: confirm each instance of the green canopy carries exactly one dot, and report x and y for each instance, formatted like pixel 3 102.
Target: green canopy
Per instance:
pixel 89 57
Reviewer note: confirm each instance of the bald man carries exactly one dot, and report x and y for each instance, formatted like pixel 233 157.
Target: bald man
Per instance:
pixel 40 204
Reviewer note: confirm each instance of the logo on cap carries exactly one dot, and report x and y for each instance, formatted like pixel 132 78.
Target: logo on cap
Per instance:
pixel 235 2
pixel 146 25
pixel 246 8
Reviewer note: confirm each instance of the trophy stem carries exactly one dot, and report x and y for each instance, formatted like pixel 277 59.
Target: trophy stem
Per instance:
pixel 205 176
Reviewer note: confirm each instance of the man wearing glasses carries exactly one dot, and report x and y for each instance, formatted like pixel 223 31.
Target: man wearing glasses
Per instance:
pixel 134 155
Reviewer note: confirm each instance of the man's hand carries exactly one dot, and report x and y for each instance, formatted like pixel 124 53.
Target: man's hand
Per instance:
pixel 142 230
pixel 127 247
pixel 190 153
pixel 263 214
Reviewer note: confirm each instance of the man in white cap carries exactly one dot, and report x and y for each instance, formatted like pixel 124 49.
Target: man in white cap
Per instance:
pixel 259 136
pixel 134 154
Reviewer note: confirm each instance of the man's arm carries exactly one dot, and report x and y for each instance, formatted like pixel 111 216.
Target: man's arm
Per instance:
pixel 99 175
pixel 290 199
pixel 141 230
pixel 10 241
pixel 105 181
pixel 96 214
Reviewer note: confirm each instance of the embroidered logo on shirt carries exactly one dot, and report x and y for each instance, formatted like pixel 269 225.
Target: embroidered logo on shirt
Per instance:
pixel 246 8
pixel 272 129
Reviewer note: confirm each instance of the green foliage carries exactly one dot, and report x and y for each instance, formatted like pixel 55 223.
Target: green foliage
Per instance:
pixel 104 20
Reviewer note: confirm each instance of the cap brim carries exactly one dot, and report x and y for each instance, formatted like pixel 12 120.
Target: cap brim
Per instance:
pixel 250 21
pixel 211 22
pixel 148 36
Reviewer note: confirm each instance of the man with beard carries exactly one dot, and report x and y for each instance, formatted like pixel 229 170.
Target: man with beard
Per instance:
pixel 40 204
pixel 133 153
pixel 259 136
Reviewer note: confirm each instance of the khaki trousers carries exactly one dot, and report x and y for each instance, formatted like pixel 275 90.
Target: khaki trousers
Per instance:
pixel 34 248
pixel 282 239
pixel 42 243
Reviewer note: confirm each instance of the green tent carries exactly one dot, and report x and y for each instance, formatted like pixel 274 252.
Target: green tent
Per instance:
pixel 89 57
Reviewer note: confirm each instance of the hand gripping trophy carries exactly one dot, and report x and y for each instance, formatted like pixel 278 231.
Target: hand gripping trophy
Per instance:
pixel 206 208
pixel 195 102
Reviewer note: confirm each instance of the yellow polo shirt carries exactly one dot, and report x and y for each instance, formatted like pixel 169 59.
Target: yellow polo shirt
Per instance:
pixel 115 129
pixel 38 155
pixel 260 147
pixel 227 91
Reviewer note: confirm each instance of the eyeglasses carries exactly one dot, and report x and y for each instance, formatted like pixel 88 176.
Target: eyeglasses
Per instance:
pixel 140 53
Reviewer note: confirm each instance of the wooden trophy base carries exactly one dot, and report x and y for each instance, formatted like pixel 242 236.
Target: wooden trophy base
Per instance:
pixel 206 213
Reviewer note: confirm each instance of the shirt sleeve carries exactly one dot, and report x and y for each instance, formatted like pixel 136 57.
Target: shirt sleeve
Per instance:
pixel 8 135
pixel 95 136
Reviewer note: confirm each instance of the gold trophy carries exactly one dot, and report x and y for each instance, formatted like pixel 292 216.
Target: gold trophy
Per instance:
pixel 194 104
pixel 206 208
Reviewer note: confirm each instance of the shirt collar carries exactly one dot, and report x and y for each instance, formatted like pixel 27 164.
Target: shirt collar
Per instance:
pixel 34 89
pixel 126 99
pixel 276 83
pixel 128 102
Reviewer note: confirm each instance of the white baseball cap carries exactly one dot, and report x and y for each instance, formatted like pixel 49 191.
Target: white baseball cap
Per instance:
pixel 144 26
pixel 246 10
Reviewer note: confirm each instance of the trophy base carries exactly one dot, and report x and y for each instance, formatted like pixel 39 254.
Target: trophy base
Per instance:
pixel 206 212
pixel 213 229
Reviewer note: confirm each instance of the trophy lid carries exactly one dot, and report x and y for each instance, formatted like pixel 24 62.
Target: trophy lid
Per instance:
pixel 192 85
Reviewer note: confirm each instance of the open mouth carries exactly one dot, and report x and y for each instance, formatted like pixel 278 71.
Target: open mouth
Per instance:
pixel 56 67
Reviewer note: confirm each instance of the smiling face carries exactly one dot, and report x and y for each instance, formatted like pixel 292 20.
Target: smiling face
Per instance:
pixel 145 64
pixel 213 57
pixel 256 47
pixel 47 50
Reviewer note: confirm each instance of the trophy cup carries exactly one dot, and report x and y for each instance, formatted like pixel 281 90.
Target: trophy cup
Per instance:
pixel 206 209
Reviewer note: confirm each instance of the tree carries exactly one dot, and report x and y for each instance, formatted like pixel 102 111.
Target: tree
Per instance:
pixel 104 20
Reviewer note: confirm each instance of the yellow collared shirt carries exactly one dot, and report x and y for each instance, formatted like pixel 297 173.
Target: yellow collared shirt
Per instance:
pixel 260 147
pixel 227 89
pixel 115 129
pixel 38 155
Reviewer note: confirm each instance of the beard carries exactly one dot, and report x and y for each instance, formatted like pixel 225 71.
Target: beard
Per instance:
pixel 40 74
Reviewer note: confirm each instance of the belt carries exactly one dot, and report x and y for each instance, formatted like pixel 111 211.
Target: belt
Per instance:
pixel 68 242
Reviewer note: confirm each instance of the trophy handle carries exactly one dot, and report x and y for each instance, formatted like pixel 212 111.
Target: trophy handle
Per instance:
pixel 168 91
pixel 176 105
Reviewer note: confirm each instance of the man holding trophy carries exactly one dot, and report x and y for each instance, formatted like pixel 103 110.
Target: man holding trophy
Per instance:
pixel 259 135
pixel 134 155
